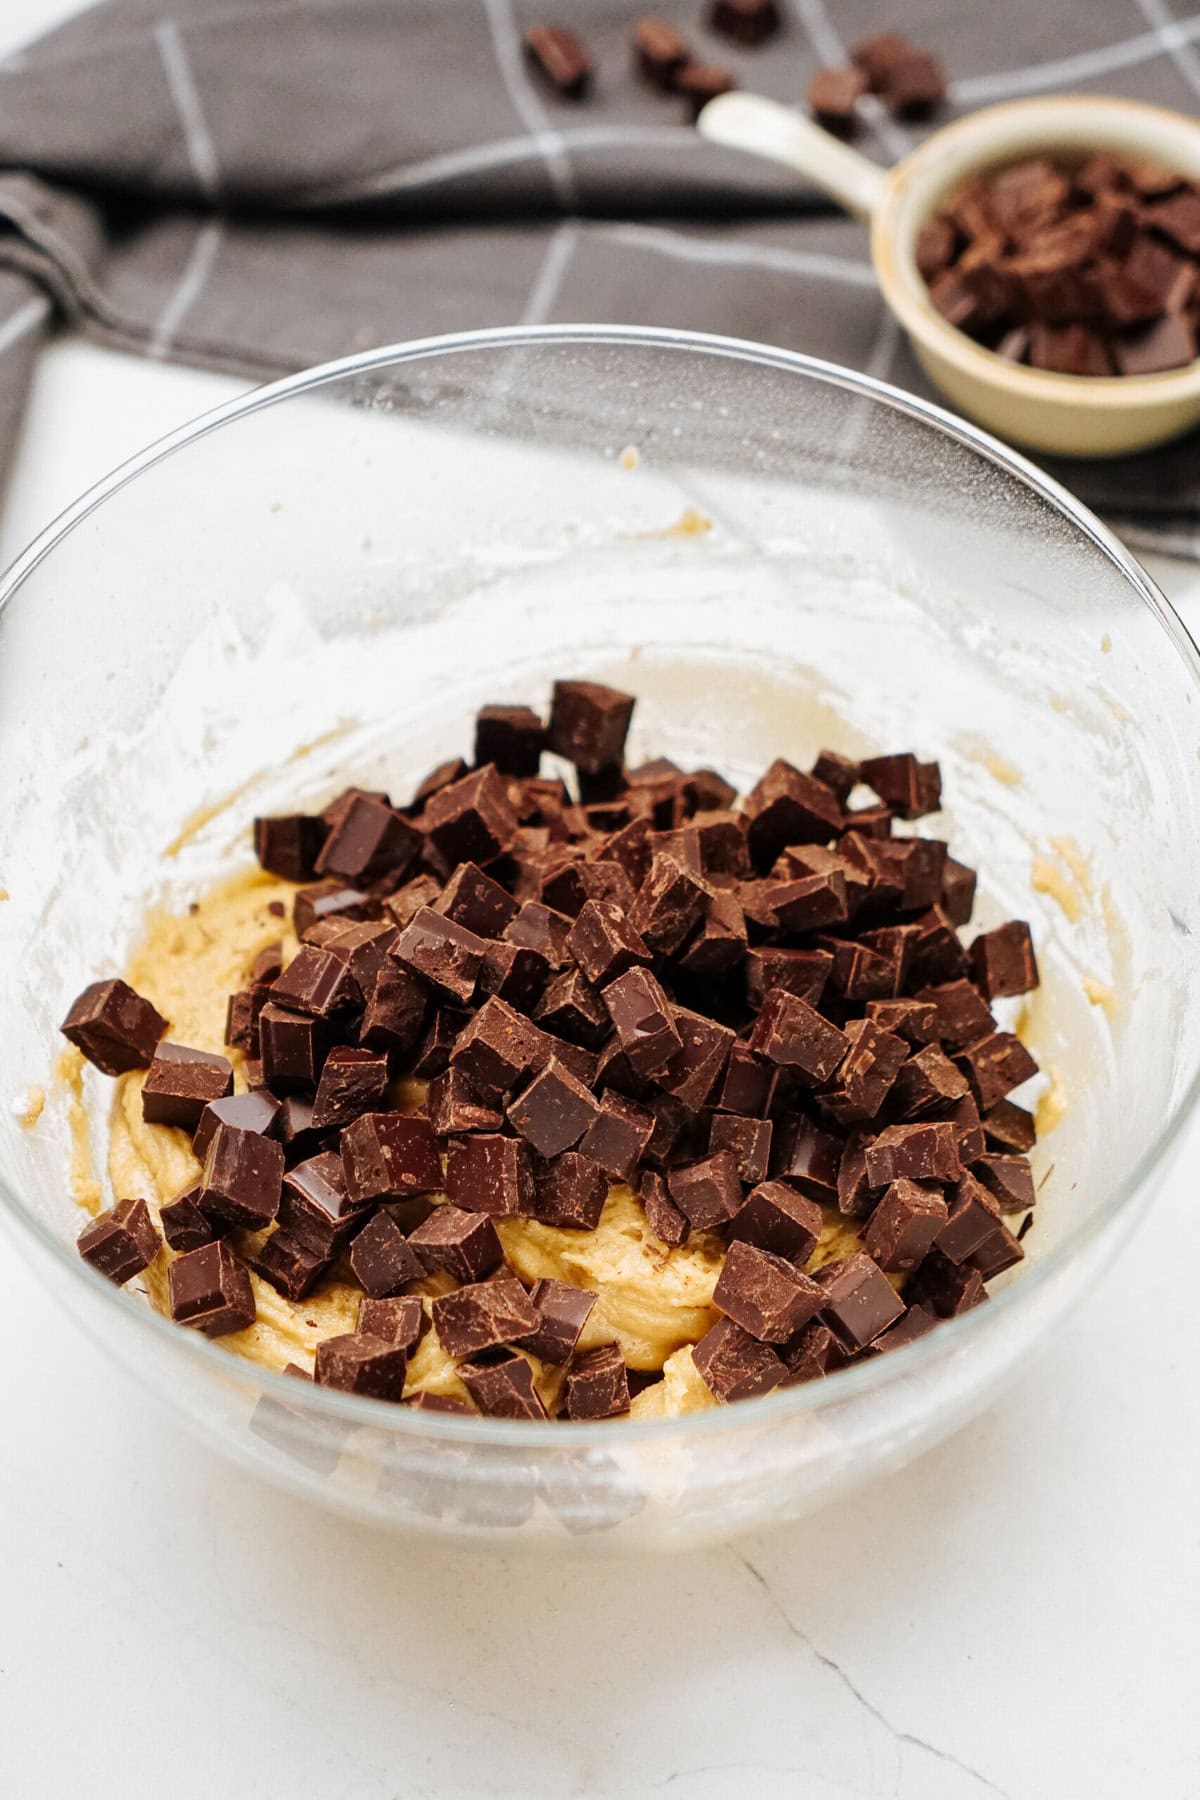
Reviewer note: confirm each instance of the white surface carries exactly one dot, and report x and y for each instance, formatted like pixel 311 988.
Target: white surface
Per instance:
pixel 1015 1615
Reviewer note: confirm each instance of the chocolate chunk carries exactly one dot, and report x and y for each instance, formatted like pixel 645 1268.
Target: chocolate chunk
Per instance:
pixel 288 845
pixel 563 1311
pixel 441 952
pixel 1009 1180
pixel 474 900
pixel 904 1224
pixel 618 1136
pixel 293 1128
pixel 292 1268
pixel 662 1215
pixel 433 1054
pixel 395 1010
pixel 939 954
pixel 968 1130
pixel 913 1325
pixel 958 892
pixel 859 1301
pixel 786 807
pixel 749 1140
pixel 184 1226
pixel 775 1217
pixel 697 83
pixel 498 1049
pixel 747 22
pixel 180 1083
pixel 554 1111
pixel 806 1156
pixel 810 1354
pixel 748 1084
pixel 809 904
pixel 514 974
pixel 994 1066
pixel 399 1320
pixel 250 1112
pixel 120 1243
pixel 734 1365
pixel 570 1192
pixel 241 1020
pixel 945 1286
pixel 472 820
pixel 718 945
pixel 672 1124
pixel 916 1021
pixel 501 1384
pixel 764 1294
pixel 293 1048
pixel 333 814
pixel 382 1259
pixel 442 776
pixel 463 1243
pixel 935 249
pixel 492 1174
pixel 210 1290
pixel 916 86
pixel 403 906
pixel 961 1015
pixel 928 1082
pixel 510 737
pixel 604 943
pixel 598 1384
pixel 854 1196
pixel 363 948
pixel 357 1364
pixel 910 788
pixel 314 1207
pixel 316 982
pixel 833 96
pixel 571 1009
pixel 1009 1127
pixel 999 1251
pixel 352 1081
pixel 696 1068
pixel 800 972
pixel 1003 961
pixel 327 900
pixel 867 1073
pixel 669 903
pixel 790 1032
pixel 589 724
pixel 659 52
pixel 925 1151
pixel 562 60
pixel 268 964
pixel 973 1217
pixel 369 840
pixel 114 1027
pixel 540 928
pixel 243 1175
pixel 438 1403
pixel 452 1105
pixel 389 1156
pixel 644 1022
pixel 475 1317
pixel 708 1192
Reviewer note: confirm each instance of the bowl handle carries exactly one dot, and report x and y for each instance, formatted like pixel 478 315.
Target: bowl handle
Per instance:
pixel 765 128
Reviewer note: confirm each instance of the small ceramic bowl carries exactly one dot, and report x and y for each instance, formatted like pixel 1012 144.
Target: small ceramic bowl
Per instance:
pixel 1071 415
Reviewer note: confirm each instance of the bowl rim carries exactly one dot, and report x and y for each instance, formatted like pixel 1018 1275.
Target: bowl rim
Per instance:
pixel 873 1373
pixel 1013 123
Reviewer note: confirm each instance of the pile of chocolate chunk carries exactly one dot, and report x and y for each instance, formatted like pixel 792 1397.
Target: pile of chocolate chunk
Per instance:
pixel 759 1016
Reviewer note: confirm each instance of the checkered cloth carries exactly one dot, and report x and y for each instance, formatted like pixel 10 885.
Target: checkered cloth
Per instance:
pixel 255 185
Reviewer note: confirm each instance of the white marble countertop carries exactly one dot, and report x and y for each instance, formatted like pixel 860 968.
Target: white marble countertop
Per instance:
pixel 1016 1614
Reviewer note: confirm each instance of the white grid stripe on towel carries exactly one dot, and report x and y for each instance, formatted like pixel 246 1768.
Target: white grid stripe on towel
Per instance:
pixel 1180 52
pixel 506 40
pixel 202 152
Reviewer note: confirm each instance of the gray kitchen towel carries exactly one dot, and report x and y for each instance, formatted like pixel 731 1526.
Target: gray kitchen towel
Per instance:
pixel 256 185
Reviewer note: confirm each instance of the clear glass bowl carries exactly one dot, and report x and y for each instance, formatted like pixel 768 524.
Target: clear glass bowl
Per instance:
pixel 325 579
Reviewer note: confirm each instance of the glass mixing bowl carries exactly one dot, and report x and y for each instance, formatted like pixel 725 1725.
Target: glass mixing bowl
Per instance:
pixel 322 581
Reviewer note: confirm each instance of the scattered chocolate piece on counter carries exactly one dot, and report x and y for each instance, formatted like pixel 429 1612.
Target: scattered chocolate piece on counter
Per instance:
pixel 210 1290
pixel 463 1243
pixel 500 1382
pixel 697 83
pixel 180 1083
pixel 358 1364
pixel 747 22
pixel 659 52
pixel 120 1243
pixel 561 59
pixel 475 1317
pixel 833 96
pixel 563 1311
pixel 597 1384
pixel 114 1027
pixel 734 1365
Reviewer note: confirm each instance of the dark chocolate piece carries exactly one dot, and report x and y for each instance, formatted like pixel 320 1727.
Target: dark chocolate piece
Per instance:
pixel 433 1055
pixel 787 807
pixel 669 903
pixel 790 1032
pixel 443 775
pixel 438 1403
pixel 463 1243
pixel 806 1156
pixel 513 973
pixel 708 1192
pixel 718 945
pixel 327 900
pixel 570 1192
pixel 973 1217
pixel 910 788
pixel 562 60
pixel 250 1112
pixel 859 1301
pixel 369 840
pixel 114 1027
pixel 316 982
pixel 357 1364
pixel 749 1140
pixel 589 724
pixel 292 1268
pixel 498 1049
pixel 767 1296
pixel 288 845
pixel 472 820
pixel 734 1365
pixel 492 1174
pixel 120 1243
pixel 538 927
pixel 696 1068
pixel 474 900
pixel 314 1207
pixel 962 1016
pixel 697 83
pixel 913 1020
pixel 293 1048
pixel 243 1176
pixel 382 1259
pixel 604 943
pixel 662 1215
pixel 571 1009
pixel 748 1084
pixel 452 1105
pixel 914 1324
pixel 924 1151
pixel 811 1354
pixel 1009 1128
pixel 659 52
pixel 442 952
pixel 510 737
pixel 999 1251
pixel 867 1073
pixel 500 1382
pixel 618 1136
pixel 475 1317
pixel 775 1217
pixel 747 22
pixel 563 1311
pixel 833 96
pixel 401 1320
pixel 210 1290
pixel 389 1156
pixel 403 906
pixel 994 1066
pixel 180 1083
pixel 904 1225
pixel 644 1022
pixel 395 1010
pixel 554 1111
pixel 1009 1180
pixel 598 1384
pixel 950 1289
pixel 854 1196
pixel 184 1225
pixel 928 1082
pixel 1003 961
